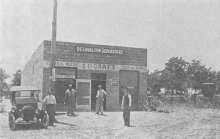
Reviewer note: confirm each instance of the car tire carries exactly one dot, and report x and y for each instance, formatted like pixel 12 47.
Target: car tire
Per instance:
pixel 45 120
pixel 12 124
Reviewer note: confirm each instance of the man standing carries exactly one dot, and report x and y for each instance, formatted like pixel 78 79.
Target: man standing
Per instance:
pixel 126 106
pixel 70 100
pixel 50 101
pixel 100 99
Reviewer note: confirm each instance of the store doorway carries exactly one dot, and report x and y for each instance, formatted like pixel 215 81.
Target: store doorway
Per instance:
pixel 96 79
pixel 61 85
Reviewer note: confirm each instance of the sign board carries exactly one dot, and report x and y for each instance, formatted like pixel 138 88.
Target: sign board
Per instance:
pixel 65 76
pixel 53 74
pixel 113 82
pixel 99 50
pixel 63 73
pixel 86 66
pixel 95 66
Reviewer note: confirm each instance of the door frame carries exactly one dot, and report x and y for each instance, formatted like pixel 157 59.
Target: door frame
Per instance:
pixel 84 107
pixel 96 79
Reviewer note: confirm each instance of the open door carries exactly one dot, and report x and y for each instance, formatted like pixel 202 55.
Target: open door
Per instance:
pixel 96 79
pixel 83 94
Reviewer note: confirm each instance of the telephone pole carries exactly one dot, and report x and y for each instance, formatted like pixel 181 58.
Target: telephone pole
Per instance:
pixel 53 46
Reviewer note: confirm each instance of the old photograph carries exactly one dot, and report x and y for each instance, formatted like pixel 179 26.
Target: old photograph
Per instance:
pixel 109 69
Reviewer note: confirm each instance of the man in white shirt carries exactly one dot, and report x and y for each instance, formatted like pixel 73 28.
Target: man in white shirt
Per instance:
pixel 99 99
pixel 126 106
pixel 50 102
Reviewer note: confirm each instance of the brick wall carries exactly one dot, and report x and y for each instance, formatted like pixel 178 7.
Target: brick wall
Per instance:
pixel 46 81
pixel 112 98
pixel 142 89
pixel 66 51
pixel 32 74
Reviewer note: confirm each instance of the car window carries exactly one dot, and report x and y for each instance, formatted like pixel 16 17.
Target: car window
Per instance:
pixel 26 94
pixel 23 94
pixel 17 93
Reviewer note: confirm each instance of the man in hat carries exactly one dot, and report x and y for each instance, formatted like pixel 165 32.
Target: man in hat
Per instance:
pixel 70 100
pixel 126 106
pixel 50 101
pixel 100 99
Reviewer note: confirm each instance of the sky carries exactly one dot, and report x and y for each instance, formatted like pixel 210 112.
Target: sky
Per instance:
pixel 167 28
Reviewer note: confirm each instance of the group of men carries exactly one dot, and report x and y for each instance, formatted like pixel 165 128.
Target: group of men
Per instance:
pixel 70 102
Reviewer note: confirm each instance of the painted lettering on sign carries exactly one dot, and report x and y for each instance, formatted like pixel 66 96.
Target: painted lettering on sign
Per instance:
pixel 53 74
pixel 100 50
pixel 65 76
pixel 66 64
pixel 63 73
pixel 128 67
pixel 93 66
pixel 113 82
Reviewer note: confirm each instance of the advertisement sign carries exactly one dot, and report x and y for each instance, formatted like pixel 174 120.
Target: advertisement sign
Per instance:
pixel 99 50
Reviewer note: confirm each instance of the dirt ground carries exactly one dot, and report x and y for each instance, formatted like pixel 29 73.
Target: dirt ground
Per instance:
pixel 181 122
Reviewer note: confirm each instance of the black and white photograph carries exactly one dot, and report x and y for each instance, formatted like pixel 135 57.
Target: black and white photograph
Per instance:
pixel 109 69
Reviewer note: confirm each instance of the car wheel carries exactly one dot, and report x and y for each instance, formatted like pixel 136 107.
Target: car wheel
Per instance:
pixel 45 120
pixel 12 123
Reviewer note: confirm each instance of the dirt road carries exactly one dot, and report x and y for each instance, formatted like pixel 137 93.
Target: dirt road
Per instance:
pixel 183 122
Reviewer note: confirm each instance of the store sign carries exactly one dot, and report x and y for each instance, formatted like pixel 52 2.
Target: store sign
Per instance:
pixel 53 74
pixel 113 82
pixel 99 50
pixel 65 76
pixel 66 64
pixel 63 73
pixel 86 66
pixel 94 66
pixel 128 67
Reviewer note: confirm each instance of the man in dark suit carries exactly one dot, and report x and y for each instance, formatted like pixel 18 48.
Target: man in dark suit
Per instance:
pixel 126 106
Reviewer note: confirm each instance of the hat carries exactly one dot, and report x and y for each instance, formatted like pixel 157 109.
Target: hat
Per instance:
pixel 99 85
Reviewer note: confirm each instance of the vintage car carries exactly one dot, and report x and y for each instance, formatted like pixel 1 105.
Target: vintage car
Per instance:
pixel 208 94
pixel 26 107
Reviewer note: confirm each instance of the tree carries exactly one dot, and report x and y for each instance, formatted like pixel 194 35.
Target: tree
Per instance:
pixel 180 75
pixel 198 74
pixel 16 81
pixel 167 79
pixel 153 81
pixel 3 78
pixel 174 73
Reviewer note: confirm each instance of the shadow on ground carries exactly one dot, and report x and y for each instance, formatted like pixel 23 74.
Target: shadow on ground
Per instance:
pixel 30 127
pixel 63 123
pixel 75 115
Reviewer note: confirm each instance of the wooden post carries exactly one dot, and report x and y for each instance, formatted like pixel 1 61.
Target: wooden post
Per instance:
pixel 53 45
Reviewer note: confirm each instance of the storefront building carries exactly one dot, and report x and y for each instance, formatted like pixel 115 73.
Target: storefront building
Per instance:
pixel 86 66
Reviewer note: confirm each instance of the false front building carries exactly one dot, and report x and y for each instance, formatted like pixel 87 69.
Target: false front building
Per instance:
pixel 85 66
